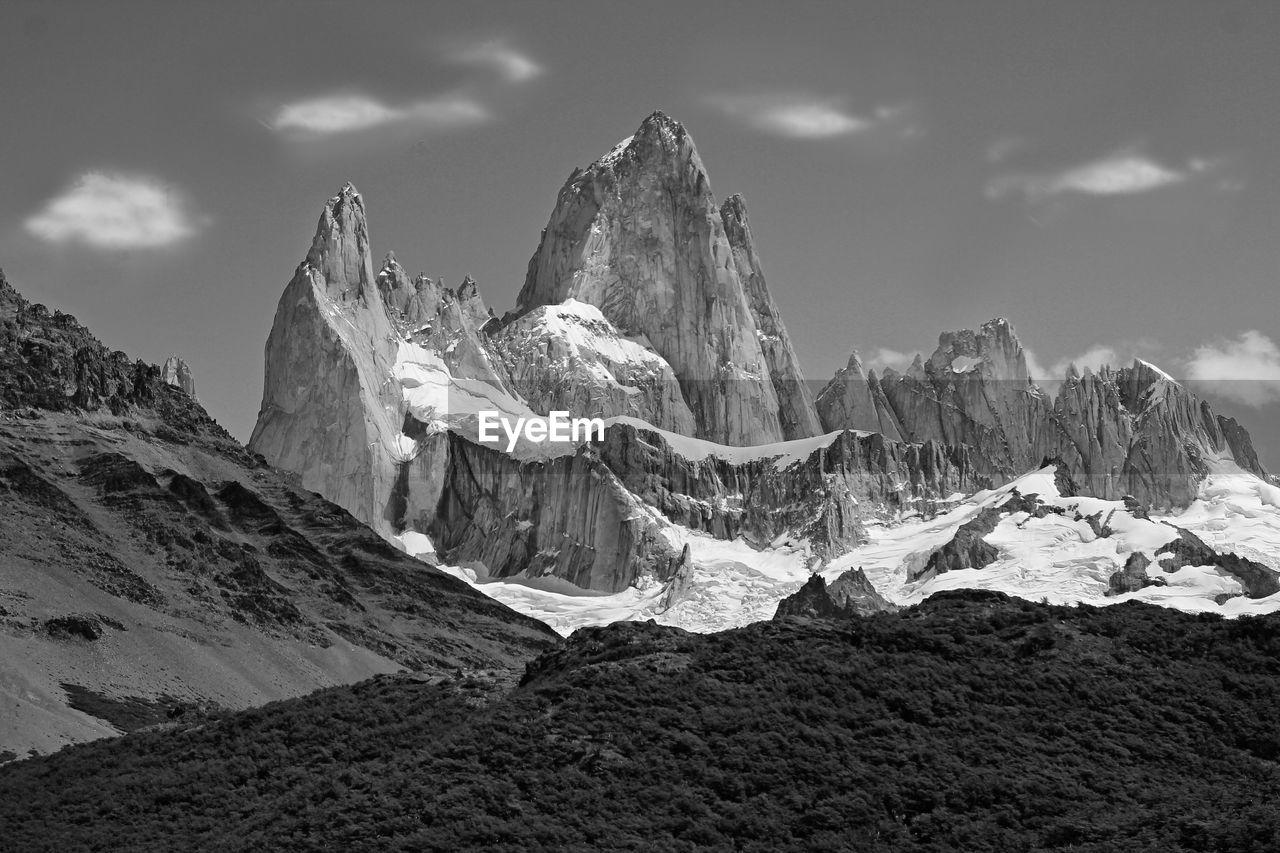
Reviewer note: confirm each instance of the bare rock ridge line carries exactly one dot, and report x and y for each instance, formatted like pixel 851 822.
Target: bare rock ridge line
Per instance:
pixel 135 529
pixel 1131 430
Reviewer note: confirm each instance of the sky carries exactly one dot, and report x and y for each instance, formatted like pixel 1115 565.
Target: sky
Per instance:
pixel 1106 175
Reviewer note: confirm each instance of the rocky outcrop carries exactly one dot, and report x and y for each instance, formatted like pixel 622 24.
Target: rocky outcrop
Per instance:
pixel 1133 576
pixel 176 373
pixel 1258 580
pixel 638 234
pixel 1131 430
pixel 849 596
pixel 967 549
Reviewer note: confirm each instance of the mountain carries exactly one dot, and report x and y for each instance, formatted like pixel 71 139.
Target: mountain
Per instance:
pixel 715 485
pixel 1132 430
pixel 639 235
pixel 153 567
pixel 970 722
pixel 374 384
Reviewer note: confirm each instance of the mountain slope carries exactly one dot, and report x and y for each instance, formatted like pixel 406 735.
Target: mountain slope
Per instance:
pixel 151 564
pixel 972 722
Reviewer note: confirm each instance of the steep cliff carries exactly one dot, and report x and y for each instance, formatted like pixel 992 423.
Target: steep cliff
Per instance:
pixel 329 410
pixel 638 234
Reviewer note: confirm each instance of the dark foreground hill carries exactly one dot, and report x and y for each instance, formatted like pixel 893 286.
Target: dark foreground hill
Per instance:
pixel 973 722
pixel 150 566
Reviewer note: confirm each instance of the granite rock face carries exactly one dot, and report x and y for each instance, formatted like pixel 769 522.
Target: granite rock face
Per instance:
pixel 176 373
pixel 854 400
pixel 328 410
pixel 821 491
pixel 799 418
pixel 1132 430
pixel 638 234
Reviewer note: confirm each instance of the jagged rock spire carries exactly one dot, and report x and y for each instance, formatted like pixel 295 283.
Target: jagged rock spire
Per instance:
pixel 177 373
pixel 639 235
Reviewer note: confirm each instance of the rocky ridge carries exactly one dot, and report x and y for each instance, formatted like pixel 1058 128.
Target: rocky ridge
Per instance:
pixel 134 528
pixel 1132 430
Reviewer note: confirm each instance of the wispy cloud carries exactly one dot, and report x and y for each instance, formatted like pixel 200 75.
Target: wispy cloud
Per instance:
pixel 1245 369
pixel 497 69
pixel 884 358
pixel 800 116
pixel 510 64
pixel 328 115
pixel 1094 358
pixel 1121 173
pixel 115 211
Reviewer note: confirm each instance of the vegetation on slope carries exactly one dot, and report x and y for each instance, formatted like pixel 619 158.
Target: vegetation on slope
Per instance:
pixel 972 722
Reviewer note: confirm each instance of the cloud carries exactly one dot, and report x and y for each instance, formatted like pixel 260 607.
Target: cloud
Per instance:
pixel 799 116
pixel 114 211
pixel 510 64
pixel 1034 370
pixel 1122 173
pixel 884 358
pixel 1246 369
pixel 1095 358
pixel 328 115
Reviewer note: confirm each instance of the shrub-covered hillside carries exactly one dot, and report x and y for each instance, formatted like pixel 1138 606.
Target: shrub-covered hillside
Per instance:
pixel 973 722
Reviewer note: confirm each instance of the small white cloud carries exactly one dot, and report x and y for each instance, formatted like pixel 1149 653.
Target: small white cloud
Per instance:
pixel 346 113
pixel 114 211
pixel 1246 369
pixel 509 63
pixel 1123 173
pixel 800 116
pixel 884 358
